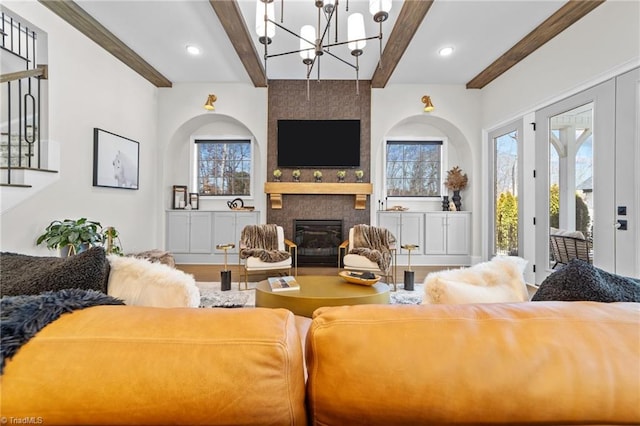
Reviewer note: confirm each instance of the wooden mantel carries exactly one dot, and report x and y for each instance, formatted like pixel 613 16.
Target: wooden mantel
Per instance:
pixel 276 189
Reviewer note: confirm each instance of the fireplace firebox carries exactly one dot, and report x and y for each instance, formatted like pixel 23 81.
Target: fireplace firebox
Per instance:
pixel 317 241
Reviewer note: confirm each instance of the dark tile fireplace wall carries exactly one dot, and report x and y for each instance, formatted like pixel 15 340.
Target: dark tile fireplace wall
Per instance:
pixel 328 99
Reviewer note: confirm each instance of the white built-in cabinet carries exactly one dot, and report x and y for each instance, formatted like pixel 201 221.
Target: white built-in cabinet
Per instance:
pixel 192 236
pixel 448 233
pixel 443 238
pixel 408 228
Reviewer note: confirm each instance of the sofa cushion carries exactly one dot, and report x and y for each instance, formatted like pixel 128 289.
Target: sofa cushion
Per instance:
pixel 23 274
pixel 140 282
pixel 499 280
pixel 134 365
pixel 580 280
pixel 491 363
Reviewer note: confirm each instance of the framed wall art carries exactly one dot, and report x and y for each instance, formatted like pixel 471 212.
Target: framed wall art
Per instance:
pixel 116 160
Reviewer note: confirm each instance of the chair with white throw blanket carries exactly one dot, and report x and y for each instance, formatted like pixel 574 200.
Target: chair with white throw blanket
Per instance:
pixel 264 248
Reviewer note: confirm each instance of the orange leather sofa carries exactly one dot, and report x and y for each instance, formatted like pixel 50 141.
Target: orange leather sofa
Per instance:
pixel 537 363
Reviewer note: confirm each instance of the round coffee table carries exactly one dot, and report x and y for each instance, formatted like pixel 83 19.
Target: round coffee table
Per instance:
pixel 319 290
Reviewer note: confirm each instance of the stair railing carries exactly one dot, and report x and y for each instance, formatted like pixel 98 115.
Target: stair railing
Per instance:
pixel 27 118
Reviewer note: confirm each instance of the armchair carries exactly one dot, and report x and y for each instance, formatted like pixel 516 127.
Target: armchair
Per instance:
pixel 372 249
pixel 264 248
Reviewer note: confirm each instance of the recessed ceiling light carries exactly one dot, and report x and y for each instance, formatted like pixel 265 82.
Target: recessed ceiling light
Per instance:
pixel 446 51
pixel 193 50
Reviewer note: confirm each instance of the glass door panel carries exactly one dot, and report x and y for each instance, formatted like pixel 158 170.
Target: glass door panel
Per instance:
pixel 506 193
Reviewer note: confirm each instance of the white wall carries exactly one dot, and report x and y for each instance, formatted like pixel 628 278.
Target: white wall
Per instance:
pixel 88 88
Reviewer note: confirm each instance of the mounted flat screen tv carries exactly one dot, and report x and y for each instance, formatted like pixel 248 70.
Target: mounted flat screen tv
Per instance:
pixel 318 143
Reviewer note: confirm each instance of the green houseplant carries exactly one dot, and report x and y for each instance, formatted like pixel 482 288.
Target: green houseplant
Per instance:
pixel 71 236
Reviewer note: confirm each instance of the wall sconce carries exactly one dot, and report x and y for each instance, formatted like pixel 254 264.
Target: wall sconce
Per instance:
pixel 209 104
pixel 428 106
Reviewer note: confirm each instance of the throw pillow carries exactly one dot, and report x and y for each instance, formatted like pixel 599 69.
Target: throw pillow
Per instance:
pixel 580 280
pixel 496 281
pixel 22 274
pixel 144 283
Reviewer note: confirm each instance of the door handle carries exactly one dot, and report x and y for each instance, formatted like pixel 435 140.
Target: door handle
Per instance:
pixel 621 225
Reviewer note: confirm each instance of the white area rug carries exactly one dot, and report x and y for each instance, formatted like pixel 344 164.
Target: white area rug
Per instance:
pixel 211 296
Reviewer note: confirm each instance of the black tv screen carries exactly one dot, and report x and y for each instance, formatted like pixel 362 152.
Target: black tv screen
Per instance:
pixel 318 143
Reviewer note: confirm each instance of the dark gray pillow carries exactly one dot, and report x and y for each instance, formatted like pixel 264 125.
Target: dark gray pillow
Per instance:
pixel 580 280
pixel 21 274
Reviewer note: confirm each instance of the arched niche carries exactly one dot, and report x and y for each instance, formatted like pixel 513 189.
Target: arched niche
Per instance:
pixel 177 159
pixel 458 148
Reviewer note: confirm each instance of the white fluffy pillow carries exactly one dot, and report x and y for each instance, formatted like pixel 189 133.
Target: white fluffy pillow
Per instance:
pixel 142 283
pixel 496 281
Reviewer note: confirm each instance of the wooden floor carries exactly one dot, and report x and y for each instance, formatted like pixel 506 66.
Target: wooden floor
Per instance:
pixel 212 272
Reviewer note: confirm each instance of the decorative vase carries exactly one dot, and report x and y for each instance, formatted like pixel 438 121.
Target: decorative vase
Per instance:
pixel 341 179
pixel 276 178
pixel 445 203
pixel 359 179
pixel 318 179
pixel 296 178
pixel 457 200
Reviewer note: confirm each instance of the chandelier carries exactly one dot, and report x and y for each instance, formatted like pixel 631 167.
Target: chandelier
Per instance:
pixel 317 41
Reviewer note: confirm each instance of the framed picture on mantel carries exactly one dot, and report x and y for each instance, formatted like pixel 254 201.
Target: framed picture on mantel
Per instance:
pixel 179 196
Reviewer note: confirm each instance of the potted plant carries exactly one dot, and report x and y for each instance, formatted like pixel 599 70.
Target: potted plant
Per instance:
pixel 277 174
pixel 318 175
pixel 341 175
pixel 296 175
pixel 359 175
pixel 75 236
pixel 71 236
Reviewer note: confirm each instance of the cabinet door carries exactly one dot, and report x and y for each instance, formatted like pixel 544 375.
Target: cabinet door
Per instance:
pixel 458 238
pixel 178 232
pixel 435 226
pixel 411 231
pixel 391 221
pixel 225 229
pixel 200 233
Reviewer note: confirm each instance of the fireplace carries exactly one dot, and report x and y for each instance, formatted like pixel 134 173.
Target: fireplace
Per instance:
pixel 317 241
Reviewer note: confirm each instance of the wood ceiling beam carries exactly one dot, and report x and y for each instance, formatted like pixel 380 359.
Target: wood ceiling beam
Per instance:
pixel 83 22
pixel 231 19
pixel 562 19
pixel 409 19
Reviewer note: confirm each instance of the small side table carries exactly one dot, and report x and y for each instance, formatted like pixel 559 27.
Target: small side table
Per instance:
pixel 225 275
pixel 409 275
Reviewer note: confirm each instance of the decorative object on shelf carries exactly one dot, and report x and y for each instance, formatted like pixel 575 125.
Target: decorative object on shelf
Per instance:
pixel 194 200
pixel 73 236
pixel 236 203
pixel 445 203
pixel 341 175
pixel 296 175
pixel 359 176
pixel 428 106
pixel 314 42
pixel 397 209
pixel 116 160
pixel 456 181
pixel 179 196
pixel 209 104
pixel 317 175
pixel 277 174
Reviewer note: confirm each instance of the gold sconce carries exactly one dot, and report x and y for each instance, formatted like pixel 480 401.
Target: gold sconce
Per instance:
pixel 428 106
pixel 209 104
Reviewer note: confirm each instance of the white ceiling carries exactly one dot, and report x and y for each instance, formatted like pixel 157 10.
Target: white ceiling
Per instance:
pixel 480 32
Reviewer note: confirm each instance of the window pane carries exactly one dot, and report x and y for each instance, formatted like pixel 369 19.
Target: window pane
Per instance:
pixel 224 167
pixel 506 193
pixel 414 168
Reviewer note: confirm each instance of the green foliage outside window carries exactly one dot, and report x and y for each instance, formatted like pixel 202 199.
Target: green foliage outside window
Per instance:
pixel 507 223
pixel 583 219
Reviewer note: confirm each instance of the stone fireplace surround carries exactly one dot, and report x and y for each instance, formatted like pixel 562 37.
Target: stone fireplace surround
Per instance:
pixel 328 99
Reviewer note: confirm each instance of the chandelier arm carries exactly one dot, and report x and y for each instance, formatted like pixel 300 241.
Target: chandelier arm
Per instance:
pixel 350 41
pixel 340 59
pixel 273 55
